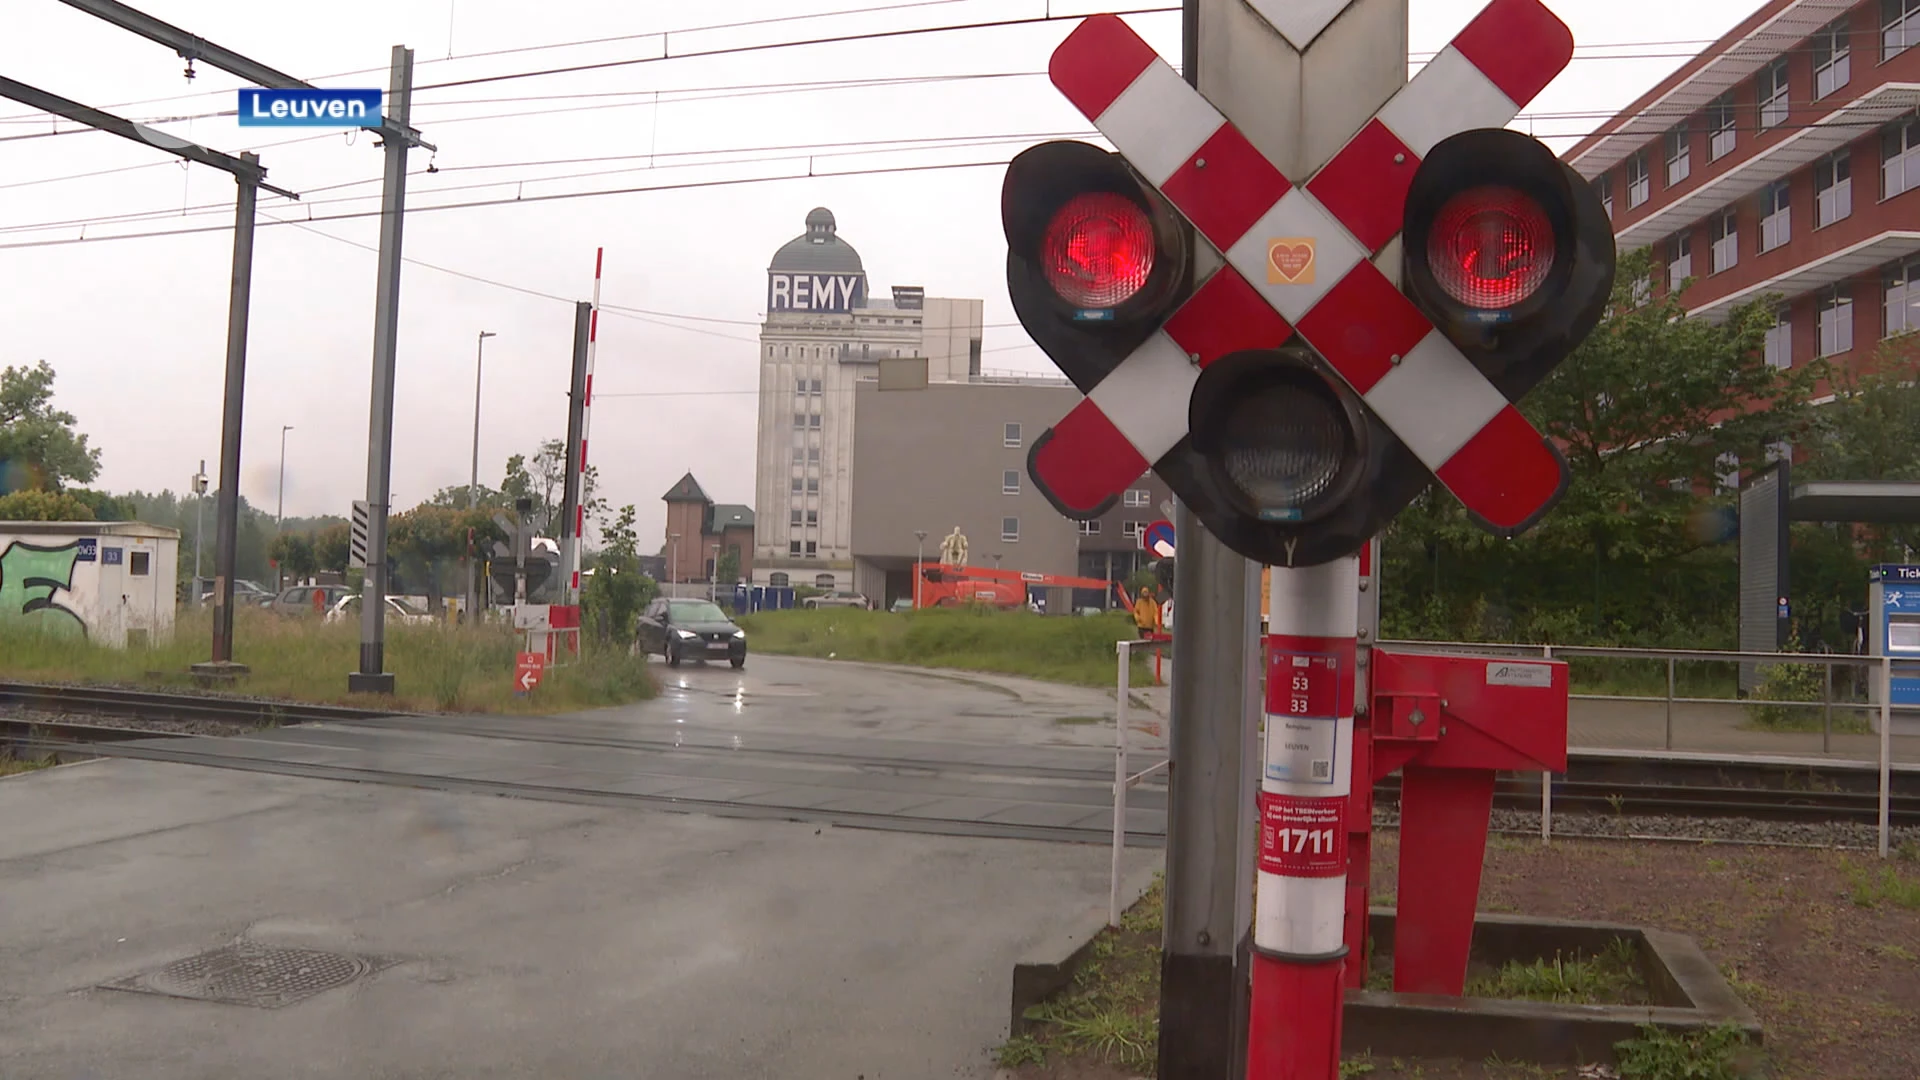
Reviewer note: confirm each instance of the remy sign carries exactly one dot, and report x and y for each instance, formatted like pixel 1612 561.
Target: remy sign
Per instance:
pixel 835 293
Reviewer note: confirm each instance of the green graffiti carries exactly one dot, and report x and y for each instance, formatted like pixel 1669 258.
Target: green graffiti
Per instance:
pixel 29 577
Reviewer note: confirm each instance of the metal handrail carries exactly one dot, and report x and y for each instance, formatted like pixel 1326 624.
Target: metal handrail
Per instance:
pixel 1122 780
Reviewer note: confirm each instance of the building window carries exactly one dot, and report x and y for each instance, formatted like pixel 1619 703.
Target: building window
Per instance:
pixel 1010 482
pixel 793 547
pixel 1902 284
pixel 813 485
pixel 813 517
pixel 1637 185
pixel 1132 529
pixel 1726 240
pixel 798 485
pixel 1771 88
pixel 1836 321
pixel 1779 347
pixel 1900 156
pixel 1642 291
pixel 795 522
pixel 1679 260
pixel 1830 58
pixel 778 579
pixel 1776 218
pixel 1729 474
pixel 823 581
pixel 1603 187
pixel 800 420
pixel 1679 155
pixel 1012 436
pixel 813 549
pixel 137 563
pixel 1090 528
pixel 1899 26
pixel 1138 497
pixel 1833 187
pixel 813 421
pixel 799 455
pixel 1010 530
pixel 1720 127
pixel 813 455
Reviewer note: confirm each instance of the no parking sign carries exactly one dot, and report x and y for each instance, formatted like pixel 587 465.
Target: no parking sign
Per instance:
pixel 1157 539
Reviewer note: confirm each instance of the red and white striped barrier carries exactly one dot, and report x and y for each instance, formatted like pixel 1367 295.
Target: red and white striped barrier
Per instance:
pixel 586 417
pixel 1299 929
pixel 1307 260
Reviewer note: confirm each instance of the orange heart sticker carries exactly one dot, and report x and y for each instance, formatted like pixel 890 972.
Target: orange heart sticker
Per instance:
pixel 1290 261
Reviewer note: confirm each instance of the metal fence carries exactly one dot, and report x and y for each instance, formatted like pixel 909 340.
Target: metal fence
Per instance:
pixel 1123 781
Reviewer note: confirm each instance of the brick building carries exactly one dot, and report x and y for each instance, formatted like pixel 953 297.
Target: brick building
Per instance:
pixel 698 529
pixel 1785 158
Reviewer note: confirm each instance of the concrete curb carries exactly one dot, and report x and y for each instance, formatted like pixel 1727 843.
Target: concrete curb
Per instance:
pixel 1049 967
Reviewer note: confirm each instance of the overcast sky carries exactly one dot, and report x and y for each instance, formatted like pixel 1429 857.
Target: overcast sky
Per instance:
pixel 136 327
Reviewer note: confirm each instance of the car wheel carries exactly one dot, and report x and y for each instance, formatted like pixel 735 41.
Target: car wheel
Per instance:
pixel 739 662
pixel 673 656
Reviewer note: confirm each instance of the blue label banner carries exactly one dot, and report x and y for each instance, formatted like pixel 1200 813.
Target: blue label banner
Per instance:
pixel 89 550
pixel 113 556
pixel 310 108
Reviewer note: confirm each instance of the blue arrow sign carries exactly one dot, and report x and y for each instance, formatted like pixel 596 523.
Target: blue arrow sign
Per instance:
pixel 1157 539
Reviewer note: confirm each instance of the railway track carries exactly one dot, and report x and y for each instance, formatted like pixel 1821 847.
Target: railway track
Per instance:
pixel 1592 786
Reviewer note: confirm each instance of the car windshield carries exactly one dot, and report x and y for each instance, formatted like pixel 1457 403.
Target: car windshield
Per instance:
pixel 405 608
pixel 695 611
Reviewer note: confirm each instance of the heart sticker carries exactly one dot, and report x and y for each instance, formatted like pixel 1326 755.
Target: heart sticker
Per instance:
pixel 1290 261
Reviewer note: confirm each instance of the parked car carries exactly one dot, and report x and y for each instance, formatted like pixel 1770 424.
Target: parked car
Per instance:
pixel 838 599
pixel 690 630
pixel 307 599
pixel 398 610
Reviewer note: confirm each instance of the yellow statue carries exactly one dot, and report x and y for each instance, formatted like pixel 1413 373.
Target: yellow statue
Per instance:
pixel 953 549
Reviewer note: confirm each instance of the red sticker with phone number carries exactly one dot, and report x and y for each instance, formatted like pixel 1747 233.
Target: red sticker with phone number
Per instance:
pixel 1302 837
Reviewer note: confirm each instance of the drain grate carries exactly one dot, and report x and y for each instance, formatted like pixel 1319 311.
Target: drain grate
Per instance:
pixel 245 973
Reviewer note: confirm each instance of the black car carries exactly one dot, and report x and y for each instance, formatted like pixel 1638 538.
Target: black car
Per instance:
pixel 691 630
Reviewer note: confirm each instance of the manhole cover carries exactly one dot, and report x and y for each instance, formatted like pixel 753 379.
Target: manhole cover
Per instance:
pixel 248 974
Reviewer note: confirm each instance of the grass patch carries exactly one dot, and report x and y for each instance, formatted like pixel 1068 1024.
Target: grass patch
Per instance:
pixel 1610 978
pixel 1112 1010
pixel 436 668
pixel 1888 885
pixel 1067 649
pixel 1719 1054
pixel 12 766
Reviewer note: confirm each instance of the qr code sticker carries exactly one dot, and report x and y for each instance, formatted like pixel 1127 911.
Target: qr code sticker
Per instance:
pixel 1323 769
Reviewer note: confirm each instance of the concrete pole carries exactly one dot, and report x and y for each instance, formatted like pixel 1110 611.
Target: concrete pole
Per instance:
pixel 227 508
pixel 919 563
pixel 373 676
pixel 471 596
pixel 199 526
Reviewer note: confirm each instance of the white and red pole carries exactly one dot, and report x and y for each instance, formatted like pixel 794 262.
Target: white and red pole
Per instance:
pixel 586 418
pixel 1299 948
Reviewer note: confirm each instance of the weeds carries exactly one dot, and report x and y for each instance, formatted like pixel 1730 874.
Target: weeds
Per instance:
pixel 1112 1011
pixel 1611 978
pixel 1020 1050
pixel 1077 649
pixel 1895 952
pixel 1870 888
pixel 12 766
pixel 1722 1053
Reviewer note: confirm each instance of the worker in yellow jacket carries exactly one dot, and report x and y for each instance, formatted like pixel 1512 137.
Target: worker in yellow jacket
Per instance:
pixel 1146 612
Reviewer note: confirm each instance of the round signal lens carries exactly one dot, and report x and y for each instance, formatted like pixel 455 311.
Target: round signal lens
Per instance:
pixel 1491 247
pixel 1098 250
pixel 1284 445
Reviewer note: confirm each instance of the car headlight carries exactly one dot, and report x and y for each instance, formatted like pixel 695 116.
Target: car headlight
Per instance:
pixel 688 634
pixel 740 635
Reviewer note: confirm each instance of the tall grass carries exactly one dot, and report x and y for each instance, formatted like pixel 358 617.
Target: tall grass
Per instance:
pixel 440 667
pixel 1058 648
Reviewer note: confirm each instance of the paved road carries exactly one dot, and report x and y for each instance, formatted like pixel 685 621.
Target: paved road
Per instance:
pixel 812 740
pixel 525 938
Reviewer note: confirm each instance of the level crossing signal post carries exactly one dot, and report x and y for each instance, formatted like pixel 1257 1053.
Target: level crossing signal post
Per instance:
pixel 1252 337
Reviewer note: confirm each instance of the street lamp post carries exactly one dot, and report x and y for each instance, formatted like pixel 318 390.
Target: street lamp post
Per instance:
pixel 473 482
pixel 199 524
pixel 280 509
pixel 713 578
pixel 479 353
pixel 919 563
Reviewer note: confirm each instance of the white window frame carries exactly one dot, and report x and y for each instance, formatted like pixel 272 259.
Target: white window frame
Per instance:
pixel 1090 528
pixel 1900 293
pixel 1776 215
pixel 1010 435
pixel 1899 27
pixel 1725 226
pixel 1138 497
pixel 1834 201
pixel 1778 349
pixel 1640 187
pixel 1009 530
pixel 1679 259
pixel 1603 187
pixel 1720 127
pixel 1771 87
pixel 1010 482
pixel 1832 57
pixel 1900 169
pixel 1836 334
pixel 1678 146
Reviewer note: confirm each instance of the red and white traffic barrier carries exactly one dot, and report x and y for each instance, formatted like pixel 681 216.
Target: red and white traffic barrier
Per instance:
pixel 586 416
pixel 1299 934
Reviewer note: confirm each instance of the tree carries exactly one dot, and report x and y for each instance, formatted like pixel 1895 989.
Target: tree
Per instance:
pixel 293 553
pixel 544 480
pixel 1651 410
pixel 429 543
pixel 726 569
pixel 39 448
pixel 42 506
pixel 332 548
pixel 618 590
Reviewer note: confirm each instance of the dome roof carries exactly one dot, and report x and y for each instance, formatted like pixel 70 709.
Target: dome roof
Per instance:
pixel 819 250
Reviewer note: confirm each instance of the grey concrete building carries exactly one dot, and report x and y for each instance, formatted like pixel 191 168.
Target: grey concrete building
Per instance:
pixel 955 454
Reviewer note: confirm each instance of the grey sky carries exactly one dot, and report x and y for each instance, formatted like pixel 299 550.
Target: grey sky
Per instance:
pixel 136 328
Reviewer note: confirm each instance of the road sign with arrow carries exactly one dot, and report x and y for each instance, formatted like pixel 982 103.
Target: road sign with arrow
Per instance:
pixel 527 669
